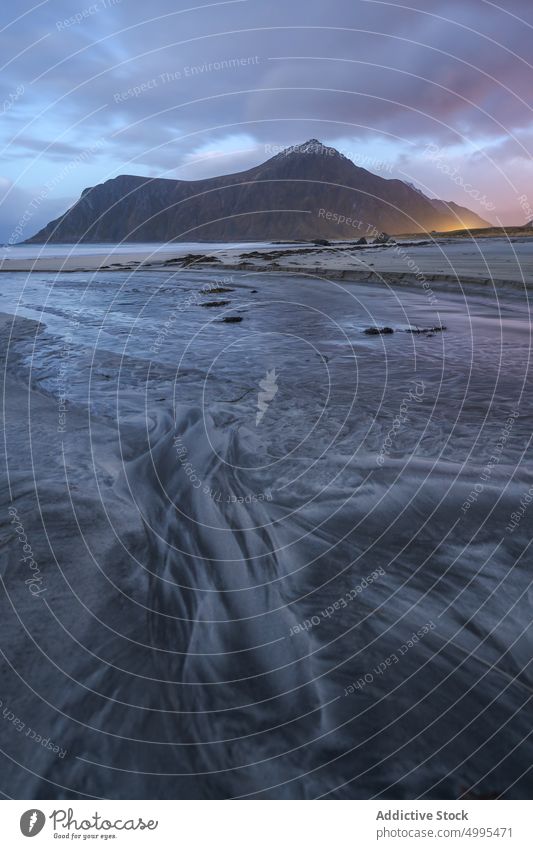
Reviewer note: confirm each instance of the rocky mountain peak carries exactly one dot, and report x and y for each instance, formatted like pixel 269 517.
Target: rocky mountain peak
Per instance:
pixel 306 192
pixel 313 147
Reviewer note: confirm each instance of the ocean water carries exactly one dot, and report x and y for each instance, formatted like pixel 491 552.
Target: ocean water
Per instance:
pixel 330 598
pixel 112 250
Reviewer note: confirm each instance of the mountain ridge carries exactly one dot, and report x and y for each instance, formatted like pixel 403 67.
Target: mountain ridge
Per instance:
pixel 280 199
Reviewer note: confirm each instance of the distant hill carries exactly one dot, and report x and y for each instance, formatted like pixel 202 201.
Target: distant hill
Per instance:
pixel 306 192
pixel 520 231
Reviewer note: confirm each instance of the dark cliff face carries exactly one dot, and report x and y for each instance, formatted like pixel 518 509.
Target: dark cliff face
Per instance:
pixel 308 191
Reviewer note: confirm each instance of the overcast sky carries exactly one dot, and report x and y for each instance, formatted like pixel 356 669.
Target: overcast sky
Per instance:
pixel 435 93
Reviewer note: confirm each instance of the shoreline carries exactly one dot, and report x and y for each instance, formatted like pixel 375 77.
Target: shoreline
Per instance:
pixel 447 263
pixel 349 275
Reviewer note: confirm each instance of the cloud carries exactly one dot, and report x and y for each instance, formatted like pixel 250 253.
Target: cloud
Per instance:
pixel 22 212
pixel 175 90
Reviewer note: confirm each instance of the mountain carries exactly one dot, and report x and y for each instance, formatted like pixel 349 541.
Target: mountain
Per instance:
pixel 459 213
pixel 306 192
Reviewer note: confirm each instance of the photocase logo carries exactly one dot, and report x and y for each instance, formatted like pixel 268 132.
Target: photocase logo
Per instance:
pixel 269 388
pixel 32 822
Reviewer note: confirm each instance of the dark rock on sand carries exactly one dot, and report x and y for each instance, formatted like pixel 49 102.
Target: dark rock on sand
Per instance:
pixel 378 331
pixel 426 330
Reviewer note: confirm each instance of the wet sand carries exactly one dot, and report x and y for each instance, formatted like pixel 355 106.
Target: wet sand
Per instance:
pixel 215 606
pixel 455 261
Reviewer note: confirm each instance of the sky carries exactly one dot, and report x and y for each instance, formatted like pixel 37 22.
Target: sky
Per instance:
pixel 434 93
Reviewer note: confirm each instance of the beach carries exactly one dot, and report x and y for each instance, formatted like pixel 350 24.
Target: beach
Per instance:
pixel 274 557
pixel 454 260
